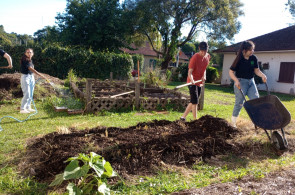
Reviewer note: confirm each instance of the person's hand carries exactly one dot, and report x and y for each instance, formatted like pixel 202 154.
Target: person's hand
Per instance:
pixel 237 84
pixel 264 78
pixel 9 66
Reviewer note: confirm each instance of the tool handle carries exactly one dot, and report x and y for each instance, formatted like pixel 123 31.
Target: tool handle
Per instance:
pixel 187 84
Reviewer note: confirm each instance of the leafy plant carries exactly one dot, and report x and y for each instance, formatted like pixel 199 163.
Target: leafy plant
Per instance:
pixel 89 178
pixel 71 77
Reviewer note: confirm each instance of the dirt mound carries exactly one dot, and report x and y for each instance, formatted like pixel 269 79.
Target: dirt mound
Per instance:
pixel 134 150
pixel 10 85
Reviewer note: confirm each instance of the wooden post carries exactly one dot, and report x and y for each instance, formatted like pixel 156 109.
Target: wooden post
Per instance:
pixel 138 70
pixel 137 95
pixel 201 100
pixel 111 76
pixel 88 94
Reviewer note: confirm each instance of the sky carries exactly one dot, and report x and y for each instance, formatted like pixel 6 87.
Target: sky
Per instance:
pixel 28 16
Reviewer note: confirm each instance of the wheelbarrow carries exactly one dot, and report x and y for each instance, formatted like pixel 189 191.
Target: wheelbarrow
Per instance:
pixel 269 113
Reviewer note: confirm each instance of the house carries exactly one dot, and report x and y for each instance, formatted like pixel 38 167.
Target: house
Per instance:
pixel 151 57
pixel 276 54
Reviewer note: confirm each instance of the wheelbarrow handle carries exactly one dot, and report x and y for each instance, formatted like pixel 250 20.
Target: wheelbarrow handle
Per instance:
pixel 268 93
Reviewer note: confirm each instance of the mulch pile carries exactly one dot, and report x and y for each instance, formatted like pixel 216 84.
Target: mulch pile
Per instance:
pixel 132 151
pixel 10 87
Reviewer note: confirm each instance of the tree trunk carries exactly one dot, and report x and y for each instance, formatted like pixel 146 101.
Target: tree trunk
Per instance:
pixel 165 63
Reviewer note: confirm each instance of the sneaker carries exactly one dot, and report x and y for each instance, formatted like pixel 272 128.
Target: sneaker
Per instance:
pixel 24 111
pixel 182 119
pixel 31 110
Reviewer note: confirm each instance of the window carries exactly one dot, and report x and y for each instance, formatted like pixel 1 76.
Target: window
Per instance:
pixel 265 66
pixel 152 63
pixel 287 70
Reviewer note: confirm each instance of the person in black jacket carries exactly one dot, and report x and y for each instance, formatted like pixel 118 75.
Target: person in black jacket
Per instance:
pixel 242 73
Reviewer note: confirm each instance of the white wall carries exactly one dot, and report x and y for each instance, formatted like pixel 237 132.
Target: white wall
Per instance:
pixel 274 59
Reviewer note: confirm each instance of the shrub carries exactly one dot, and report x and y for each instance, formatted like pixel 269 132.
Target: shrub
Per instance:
pixel 211 74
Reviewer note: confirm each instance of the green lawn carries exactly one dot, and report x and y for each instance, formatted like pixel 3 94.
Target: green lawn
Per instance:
pixel 218 102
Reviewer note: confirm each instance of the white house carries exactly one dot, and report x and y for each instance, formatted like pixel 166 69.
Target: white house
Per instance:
pixel 276 53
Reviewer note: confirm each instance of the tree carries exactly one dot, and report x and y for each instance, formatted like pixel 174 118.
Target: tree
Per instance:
pixel 93 23
pixel 47 35
pixel 218 19
pixel 291 6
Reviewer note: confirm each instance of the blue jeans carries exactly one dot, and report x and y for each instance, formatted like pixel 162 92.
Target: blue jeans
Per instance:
pixel 249 89
pixel 27 85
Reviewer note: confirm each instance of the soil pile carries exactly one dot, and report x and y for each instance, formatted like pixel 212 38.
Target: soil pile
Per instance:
pixel 10 86
pixel 135 150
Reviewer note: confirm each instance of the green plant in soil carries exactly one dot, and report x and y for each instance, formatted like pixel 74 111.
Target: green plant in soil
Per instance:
pixel 90 178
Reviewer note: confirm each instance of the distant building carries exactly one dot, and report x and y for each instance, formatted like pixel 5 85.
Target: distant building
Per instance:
pixel 151 57
pixel 276 54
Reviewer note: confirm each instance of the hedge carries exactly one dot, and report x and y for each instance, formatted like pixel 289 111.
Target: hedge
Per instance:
pixel 57 61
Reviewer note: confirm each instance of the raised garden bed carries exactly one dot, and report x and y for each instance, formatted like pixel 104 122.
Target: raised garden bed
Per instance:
pixel 98 95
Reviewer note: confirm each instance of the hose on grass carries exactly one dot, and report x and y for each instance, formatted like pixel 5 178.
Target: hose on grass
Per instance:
pixel 36 111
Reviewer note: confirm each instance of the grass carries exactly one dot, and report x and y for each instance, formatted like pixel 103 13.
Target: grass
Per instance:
pixel 218 102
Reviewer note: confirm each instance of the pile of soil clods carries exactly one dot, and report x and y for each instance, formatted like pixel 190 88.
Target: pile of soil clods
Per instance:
pixel 10 87
pixel 134 150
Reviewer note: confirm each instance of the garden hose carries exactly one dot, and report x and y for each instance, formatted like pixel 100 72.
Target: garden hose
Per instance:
pixel 36 111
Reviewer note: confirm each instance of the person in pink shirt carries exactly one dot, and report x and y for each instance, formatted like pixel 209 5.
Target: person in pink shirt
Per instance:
pixel 197 71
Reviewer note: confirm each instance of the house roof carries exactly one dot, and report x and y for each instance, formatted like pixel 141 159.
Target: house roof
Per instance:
pixel 147 50
pixel 280 40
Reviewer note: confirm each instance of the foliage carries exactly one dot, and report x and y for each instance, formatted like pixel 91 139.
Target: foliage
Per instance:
pixel 97 24
pixel 89 178
pixel 57 61
pixel 183 70
pixel 291 6
pixel 136 58
pixel 47 35
pixel 157 77
pixel 189 48
pixel 13 39
pixel 219 19
pixel 72 77
pixel 211 74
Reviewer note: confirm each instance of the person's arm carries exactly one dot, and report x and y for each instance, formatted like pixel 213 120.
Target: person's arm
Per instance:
pixel 37 73
pixel 9 60
pixel 234 78
pixel 190 75
pixel 260 74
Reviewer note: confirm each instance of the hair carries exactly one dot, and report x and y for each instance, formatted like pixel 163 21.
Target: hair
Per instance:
pixel 245 46
pixel 25 58
pixel 203 46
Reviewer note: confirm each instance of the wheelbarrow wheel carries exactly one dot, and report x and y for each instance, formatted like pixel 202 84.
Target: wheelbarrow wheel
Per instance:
pixel 278 141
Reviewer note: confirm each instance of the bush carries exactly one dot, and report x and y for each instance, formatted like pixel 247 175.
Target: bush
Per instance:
pixel 57 61
pixel 136 58
pixel 211 74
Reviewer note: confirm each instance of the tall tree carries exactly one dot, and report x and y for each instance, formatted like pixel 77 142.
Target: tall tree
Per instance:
pixel 218 19
pixel 93 23
pixel 291 7
pixel 47 35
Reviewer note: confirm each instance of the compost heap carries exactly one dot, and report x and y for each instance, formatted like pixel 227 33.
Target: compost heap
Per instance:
pixel 10 86
pixel 132 151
